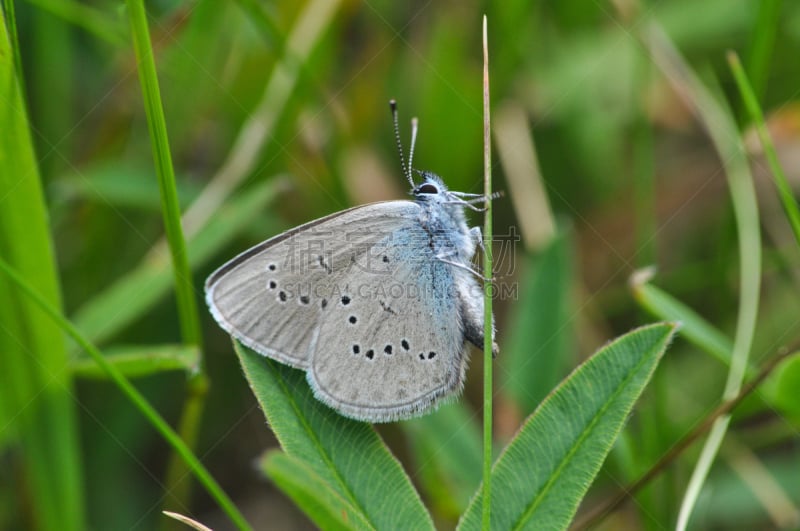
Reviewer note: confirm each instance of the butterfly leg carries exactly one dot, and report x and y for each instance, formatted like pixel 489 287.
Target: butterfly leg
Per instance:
pixel 464 203
pixel 458 199
pixel 465 268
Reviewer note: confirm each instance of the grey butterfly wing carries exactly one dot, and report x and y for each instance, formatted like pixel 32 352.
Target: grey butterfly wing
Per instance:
pixel 398 344
pixel 272 297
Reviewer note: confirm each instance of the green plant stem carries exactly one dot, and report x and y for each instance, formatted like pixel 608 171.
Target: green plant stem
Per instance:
pixel 187 307
pixel 136 398
pixel 754 109
pixel 488 341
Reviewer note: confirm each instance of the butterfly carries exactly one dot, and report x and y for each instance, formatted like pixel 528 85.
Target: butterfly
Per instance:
pixel 375 303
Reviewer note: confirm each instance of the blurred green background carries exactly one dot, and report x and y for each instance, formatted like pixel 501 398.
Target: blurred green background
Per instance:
pixel 277 113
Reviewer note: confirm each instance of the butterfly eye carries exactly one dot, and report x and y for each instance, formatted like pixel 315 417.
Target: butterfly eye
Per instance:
pixel 427 188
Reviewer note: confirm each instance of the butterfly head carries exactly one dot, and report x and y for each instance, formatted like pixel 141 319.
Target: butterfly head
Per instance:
pixel 433 194
pixel 430 188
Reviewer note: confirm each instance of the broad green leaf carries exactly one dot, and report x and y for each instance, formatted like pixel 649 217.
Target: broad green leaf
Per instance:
pixel 132 295
pixel 346 455
pixel 318 500
pixel 544 472
pixel 140 360
pixel 540 336
pixel 36 390
pixel 446 447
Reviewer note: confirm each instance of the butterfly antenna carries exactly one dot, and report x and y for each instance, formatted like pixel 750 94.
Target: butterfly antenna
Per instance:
pixel 414 127
pixel 406 169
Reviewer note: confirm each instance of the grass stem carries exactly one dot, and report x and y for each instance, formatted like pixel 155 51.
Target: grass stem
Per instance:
pixel 488 326
pixel 187 306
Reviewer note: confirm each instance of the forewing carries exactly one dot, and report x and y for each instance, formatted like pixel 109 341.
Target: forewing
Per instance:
pixel 394 343
pixel 273 297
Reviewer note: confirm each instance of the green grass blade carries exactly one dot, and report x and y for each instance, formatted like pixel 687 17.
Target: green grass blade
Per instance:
pixel 130 392
pixel 751 103
pixel 135 293
pixel 141 360
pixel 317 498
pixel 184 291
pixel 346 455
pixel 36 389
pixel 543 473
